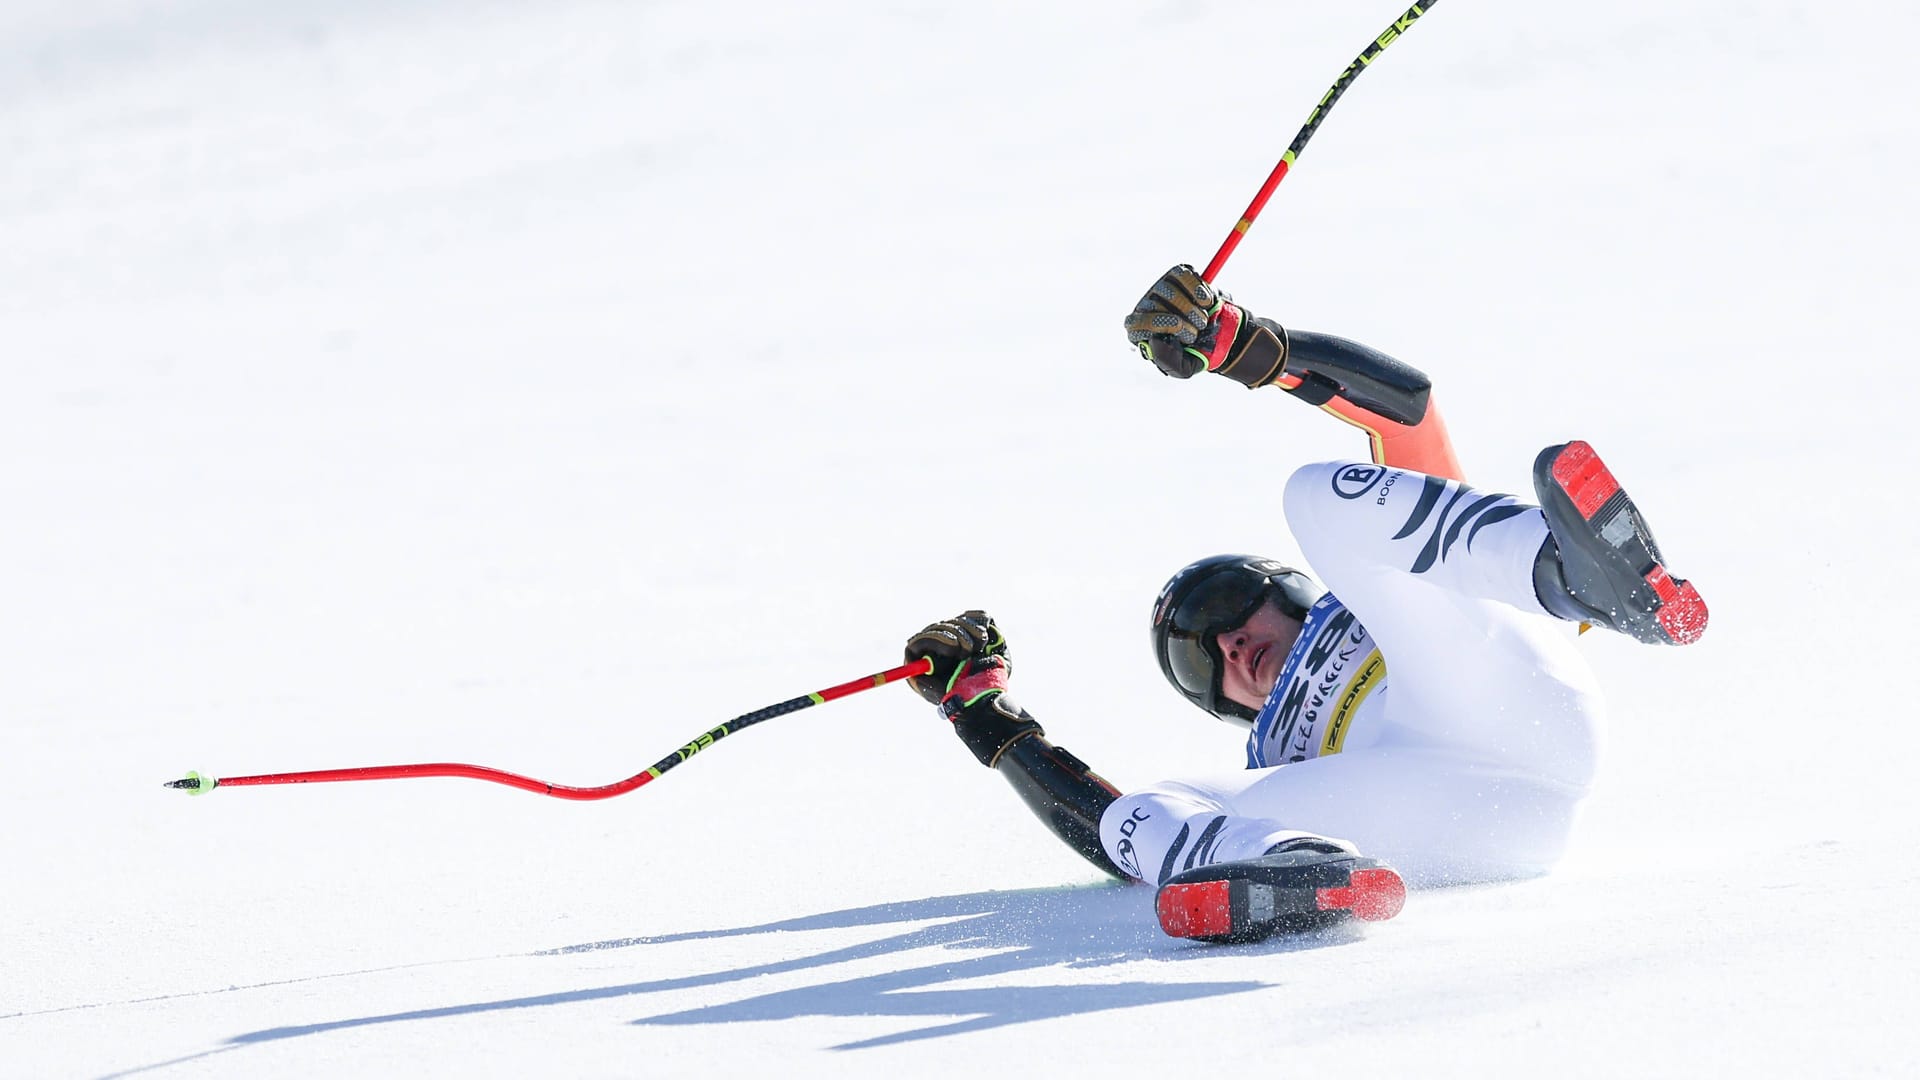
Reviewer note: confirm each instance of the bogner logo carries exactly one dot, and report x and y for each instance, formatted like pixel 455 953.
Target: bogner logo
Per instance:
pixel 1381 499
pixel 1356 480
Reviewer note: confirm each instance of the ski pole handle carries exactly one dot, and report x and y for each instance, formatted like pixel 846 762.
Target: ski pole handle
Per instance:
pixel 1339 87
pixel 195 784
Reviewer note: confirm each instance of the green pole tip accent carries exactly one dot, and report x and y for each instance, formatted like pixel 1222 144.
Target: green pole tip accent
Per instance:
pixel 194 783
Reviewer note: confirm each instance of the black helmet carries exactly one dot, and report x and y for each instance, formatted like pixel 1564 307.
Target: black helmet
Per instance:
pixel 1216 594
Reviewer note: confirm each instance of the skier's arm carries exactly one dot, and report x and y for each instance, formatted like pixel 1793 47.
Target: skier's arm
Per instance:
pixel 1185 327
pixel 1392 402
pixel 968 682
pixel 1061 790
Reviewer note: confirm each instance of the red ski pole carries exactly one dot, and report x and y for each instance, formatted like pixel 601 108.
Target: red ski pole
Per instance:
pixel 1360 63
pixel 195 784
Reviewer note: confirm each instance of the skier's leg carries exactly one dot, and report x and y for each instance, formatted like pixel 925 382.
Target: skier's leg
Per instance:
pixel 1175 825
pixel 1242 856
pixel 1585 554
pixel 1223 876
pixel 1442 576
pixel 1434 816
pixel 1425 529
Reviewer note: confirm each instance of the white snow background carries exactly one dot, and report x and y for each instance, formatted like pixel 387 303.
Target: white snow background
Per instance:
pixel 541 385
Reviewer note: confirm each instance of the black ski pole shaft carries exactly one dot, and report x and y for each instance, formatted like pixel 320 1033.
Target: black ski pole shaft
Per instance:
pixel 1360 63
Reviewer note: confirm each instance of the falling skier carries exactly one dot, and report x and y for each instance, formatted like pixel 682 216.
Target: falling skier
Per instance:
pixel 1428 712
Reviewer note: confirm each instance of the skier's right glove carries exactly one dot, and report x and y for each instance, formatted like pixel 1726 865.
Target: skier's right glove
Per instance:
pixel 1186 326
pixel 969 683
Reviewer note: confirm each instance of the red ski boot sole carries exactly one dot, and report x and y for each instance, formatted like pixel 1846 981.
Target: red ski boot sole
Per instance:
pixel 1260 901
pixel 1609 556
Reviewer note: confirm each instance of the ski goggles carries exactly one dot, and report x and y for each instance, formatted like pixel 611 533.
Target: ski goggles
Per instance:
pixel 1221 603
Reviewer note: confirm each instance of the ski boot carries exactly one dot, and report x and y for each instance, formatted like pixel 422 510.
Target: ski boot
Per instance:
pixel 1302 885
pixel 1602 565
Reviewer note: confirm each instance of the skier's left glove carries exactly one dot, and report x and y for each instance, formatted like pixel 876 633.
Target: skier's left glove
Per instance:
pixel 1186 326
pixel 969 683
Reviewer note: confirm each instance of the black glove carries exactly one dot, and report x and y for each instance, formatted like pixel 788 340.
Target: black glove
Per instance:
pixel 954 645
pixel 1186 326
pixel 969 683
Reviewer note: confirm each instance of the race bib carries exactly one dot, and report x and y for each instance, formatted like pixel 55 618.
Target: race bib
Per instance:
pixel 1330 672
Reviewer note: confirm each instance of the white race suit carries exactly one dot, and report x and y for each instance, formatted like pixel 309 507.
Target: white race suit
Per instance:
pixel 1431 713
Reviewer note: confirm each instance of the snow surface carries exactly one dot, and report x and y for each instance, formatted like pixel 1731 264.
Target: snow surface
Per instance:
pixel 540 385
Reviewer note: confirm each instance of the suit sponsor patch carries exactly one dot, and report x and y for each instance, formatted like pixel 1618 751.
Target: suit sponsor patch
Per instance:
pixel 1356 480
pixel 1329 673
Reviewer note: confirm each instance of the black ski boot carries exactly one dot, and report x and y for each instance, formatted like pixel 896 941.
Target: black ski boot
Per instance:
pixel 1299 886
pixel 1602 565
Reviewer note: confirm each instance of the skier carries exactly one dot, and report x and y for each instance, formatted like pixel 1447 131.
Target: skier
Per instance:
pixel 1428 712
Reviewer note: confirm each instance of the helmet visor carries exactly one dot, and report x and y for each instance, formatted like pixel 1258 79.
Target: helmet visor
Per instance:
pixel 1218 605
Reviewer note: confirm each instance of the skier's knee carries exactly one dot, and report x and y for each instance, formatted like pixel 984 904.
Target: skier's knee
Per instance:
pixel 1152 835
pixel 1311 488
pixel 1137 829
pixel 1314 494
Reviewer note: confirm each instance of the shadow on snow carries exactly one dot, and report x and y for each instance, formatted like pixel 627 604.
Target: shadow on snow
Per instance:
pixel 1013 932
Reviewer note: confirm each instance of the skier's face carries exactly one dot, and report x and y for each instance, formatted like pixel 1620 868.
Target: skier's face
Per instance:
pixel 1253 654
